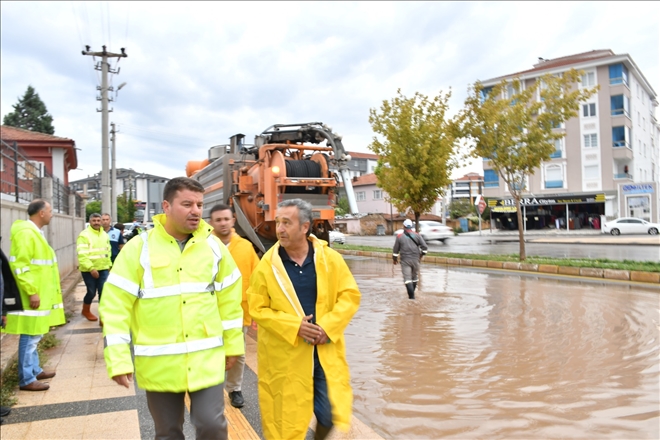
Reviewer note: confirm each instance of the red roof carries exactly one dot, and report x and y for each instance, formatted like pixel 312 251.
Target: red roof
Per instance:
pixel 367 179
pixel 20 134
pixel 548 64
pixel 357 155
pixel 471 176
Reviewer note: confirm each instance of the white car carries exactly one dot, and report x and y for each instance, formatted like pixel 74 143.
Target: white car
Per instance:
pixel 337 237
pixel 630 225
pixel 430 230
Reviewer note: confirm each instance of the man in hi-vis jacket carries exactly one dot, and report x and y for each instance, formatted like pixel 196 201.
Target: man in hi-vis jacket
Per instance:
pixel 175 293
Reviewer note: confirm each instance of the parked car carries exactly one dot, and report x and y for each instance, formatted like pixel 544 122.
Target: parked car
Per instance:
pixel 337 237
pixel 430 230
pixel 630 225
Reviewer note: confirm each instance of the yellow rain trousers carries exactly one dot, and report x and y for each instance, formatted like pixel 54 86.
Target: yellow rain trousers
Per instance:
pixel 286 364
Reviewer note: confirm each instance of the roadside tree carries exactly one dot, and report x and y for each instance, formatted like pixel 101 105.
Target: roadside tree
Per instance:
pixel 416 147
pixel 515 127
pixel 31 114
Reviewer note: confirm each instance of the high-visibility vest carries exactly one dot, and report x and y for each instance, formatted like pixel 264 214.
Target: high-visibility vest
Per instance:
pixel 93 250
pixel 181 310
pixel 34 266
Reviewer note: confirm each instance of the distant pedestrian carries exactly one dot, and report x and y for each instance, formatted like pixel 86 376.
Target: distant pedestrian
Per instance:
pixel 117 241
pixel 302 296
pixel 94 252
pixel 410 248
pixel 37 276
pixel 175 294
pixel 222 220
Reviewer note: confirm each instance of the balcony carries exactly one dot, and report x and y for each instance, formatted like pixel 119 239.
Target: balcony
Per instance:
pixel 556 155
pixel 622 151
pixel 623 176
pixel 554 184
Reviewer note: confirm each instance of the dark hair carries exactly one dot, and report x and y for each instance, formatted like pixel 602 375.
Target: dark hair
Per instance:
pixel 119 226
pixel 94 215
pixel 304 210
pixel 35 206
pixel 179 183
pixel 220 207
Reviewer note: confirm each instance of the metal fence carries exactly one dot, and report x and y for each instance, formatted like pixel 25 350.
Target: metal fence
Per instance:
pixel 21 180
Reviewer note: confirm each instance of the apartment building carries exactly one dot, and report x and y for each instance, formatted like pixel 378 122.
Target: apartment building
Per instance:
pixel 607 163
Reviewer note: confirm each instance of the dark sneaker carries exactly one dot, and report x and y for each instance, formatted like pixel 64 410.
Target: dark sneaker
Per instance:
pixel 236 398
pixel 4 411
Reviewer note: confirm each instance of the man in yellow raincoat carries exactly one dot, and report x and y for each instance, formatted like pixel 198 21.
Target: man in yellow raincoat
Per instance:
pixel 302 296
pixel 175 293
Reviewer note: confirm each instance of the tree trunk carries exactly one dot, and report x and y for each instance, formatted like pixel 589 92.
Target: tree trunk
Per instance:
pixel 417 214
pixel 521 230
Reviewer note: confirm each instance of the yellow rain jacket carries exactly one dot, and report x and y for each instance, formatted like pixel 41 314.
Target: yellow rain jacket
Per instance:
pixel 34 265
pixel 181 310
pixel 286 364
pixel 246 259
pixel 94 250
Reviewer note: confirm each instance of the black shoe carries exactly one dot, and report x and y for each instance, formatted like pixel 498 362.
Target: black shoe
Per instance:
pixel 4 411
pixel 411 291
pixel 236 398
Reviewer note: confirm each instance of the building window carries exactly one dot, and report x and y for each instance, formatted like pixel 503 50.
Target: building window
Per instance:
pixel 590 140
pixel 618 74
pixel 588 80
pixel 360 196
pixel 559 148
pixel 620 105
pixel 491 179
pixel 485 92
pixel 591 172
pixel 378 194
pixel 554 176
pixel 620 137
pixel 589 110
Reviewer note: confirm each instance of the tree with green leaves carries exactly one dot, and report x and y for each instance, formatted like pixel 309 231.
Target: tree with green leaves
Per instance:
pixel 92 207
pixel 515 127
pixel 416 150
pixel 31 114
pixel 461 207
pixel 125 209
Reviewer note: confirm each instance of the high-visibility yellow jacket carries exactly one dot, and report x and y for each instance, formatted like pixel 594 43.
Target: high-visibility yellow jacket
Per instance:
pixel 286 364
pixel 34 265
pixel 93 250
pixel 246 259
pixel 181 309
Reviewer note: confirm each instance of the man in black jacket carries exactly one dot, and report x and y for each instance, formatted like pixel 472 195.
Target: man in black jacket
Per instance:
pixel 409 247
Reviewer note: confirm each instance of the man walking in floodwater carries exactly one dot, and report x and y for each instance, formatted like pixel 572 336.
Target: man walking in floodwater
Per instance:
pixel 302 296
pixel 410 248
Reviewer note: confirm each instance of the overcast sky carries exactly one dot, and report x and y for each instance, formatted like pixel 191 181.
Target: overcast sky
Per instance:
pixel 198 73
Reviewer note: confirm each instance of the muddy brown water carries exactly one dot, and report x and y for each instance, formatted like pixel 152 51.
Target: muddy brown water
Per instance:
pixel 482 355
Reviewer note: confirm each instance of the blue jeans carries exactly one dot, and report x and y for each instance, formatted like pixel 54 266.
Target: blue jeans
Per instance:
pixel 94 284
pixel 322 407
pixel 28 359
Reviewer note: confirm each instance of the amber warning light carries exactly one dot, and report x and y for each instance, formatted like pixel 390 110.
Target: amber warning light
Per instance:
pixel 276 171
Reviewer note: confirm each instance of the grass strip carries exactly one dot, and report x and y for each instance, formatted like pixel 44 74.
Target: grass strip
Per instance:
pixel 598 263
pixel 10 376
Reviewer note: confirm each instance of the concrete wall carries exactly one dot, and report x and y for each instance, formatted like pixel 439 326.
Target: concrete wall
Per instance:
pixel 61 233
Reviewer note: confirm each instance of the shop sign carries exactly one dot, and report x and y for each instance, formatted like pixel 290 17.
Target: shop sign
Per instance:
pixel 545 201
pixel 637 188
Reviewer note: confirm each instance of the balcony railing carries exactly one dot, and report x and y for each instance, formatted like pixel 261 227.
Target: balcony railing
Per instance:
pixel 620 112
pixel 556 155
pixel 554 183
pixel 494 184
pixel 623 176
pixel 621 144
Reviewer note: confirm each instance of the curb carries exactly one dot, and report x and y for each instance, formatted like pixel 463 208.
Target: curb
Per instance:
pixel 651 278
pixel 9 343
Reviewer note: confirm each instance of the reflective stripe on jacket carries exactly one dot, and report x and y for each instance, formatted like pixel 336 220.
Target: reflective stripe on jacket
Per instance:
pixel 286 362
pixel 93 250
pixel 181 308
pixel 34 265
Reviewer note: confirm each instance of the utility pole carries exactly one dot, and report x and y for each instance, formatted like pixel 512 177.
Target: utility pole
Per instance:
pixel 104 67
pixel 113 167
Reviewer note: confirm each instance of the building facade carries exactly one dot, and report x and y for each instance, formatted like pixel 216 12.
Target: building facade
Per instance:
pixel 606 166
pixel 145 189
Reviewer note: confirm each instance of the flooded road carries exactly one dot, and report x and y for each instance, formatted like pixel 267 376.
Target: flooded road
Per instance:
pixel 479 355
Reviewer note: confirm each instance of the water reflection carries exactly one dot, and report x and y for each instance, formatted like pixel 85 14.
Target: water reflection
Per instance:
pixel 490 356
